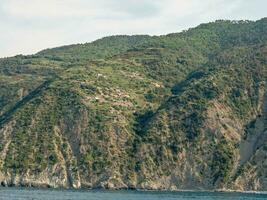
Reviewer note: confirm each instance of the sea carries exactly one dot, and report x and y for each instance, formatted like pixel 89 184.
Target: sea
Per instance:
pixel 59 194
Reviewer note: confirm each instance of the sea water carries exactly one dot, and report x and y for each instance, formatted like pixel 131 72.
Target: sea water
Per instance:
pixel 52 194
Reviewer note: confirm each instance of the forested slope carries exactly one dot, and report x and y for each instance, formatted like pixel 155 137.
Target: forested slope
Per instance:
pixel 181 111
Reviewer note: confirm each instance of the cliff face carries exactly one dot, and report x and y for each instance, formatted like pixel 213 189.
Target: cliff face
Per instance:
pixel 181 111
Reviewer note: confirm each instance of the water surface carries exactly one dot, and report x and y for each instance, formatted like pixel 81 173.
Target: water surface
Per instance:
pixel 50 194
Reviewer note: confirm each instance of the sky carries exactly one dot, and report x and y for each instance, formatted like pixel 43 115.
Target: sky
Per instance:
pixel 28 26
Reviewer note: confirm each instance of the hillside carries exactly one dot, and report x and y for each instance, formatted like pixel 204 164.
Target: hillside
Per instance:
pixel 181 111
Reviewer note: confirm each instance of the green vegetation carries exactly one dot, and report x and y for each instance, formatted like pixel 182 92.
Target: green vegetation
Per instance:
pixel 135 107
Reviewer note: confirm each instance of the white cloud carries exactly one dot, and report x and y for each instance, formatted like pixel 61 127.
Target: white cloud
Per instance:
pixel 45 9
pixel 28 26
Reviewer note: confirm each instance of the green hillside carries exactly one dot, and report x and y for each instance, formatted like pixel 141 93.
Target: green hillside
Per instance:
pixel 181 111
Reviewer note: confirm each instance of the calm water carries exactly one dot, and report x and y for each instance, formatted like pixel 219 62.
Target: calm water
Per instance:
pixel 44 194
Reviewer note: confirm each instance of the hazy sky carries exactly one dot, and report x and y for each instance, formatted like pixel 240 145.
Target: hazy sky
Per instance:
pixel 27 26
